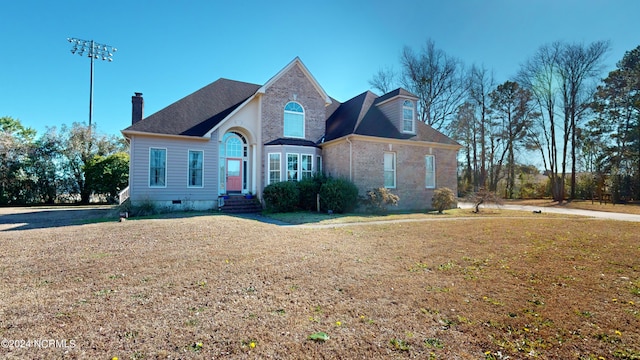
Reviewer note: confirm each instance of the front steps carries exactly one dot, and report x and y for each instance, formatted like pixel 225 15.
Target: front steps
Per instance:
pixel 238 204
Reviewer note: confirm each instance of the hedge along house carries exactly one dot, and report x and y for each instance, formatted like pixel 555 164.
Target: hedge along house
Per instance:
pixel 231 138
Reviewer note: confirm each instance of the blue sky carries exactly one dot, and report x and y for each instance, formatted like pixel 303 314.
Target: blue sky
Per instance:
pixel 169 49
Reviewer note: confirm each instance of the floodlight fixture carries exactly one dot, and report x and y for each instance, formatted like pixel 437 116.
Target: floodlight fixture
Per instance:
pixel 93 50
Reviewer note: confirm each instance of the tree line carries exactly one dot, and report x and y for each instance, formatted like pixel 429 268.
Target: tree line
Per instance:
pixel 72 164
pixel 557 110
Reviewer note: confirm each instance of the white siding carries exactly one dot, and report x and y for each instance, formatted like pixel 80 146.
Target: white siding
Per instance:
pixel 177 170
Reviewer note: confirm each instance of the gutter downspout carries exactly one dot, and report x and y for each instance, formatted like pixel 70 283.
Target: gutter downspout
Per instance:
pixel 350 159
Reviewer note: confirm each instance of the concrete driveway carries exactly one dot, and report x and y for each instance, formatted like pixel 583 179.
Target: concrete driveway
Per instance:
pixel 589 213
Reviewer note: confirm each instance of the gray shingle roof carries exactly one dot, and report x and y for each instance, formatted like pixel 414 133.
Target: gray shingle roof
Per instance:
pixel 295 142
pixel 199 112
pixel 394 93
pixel 196 114
pixel 361 116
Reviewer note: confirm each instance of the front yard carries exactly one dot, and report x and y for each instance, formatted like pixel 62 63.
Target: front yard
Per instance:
pixel 214 286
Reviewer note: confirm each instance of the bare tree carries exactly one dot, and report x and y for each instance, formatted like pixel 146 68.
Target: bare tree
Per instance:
pixel 383 80
pixel 438 81
pixel 577 65
pixel 480 84
pixel 537 75
pixel 563 70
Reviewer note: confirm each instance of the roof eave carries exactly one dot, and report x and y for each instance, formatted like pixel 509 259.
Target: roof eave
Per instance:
pixel 235 111
pixel 393 141
pixel 129 133
pixel 414 98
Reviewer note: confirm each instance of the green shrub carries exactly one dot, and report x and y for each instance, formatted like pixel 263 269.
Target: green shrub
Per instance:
pixel 309 189
pixel 281 196
pixel 338 195
pixel 377 200
pixel 443 198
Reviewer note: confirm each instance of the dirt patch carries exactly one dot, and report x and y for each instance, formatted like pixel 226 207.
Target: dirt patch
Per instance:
pixel 219 286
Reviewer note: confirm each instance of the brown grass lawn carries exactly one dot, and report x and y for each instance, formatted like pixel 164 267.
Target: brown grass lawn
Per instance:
pixel 225 287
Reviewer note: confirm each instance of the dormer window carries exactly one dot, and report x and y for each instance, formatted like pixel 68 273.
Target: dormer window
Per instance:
pixel 293 120
pixel 408 117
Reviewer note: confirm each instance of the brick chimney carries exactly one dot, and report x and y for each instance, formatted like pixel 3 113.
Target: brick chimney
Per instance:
pixel 137 107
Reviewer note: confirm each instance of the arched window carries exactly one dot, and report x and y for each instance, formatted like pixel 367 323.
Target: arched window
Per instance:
pixel 408 113
pixel 234 145
pixel 293 120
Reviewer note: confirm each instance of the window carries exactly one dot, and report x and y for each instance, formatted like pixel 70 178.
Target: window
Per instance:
pixel 430 175
pixel 389 170
pixel 195 168
pixel 293 120
pixel 274 168
pixel 306 171
pixel 234 147
pixel 292 167
pixel 319 164
pixel 157 167
pixel 407 116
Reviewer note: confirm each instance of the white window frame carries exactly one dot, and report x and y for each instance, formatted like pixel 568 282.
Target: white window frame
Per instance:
pixel 306 173
pixel 318 167
pixel 293 113
pixel 389 168
pixel 164 182
pixel 297 170
pixel 189 169
pixel 430 183
pixel 408 105
pixel 270 169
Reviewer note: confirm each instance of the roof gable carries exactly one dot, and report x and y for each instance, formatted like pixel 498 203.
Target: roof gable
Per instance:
pixel 361 116
pixel 197 113
pixel 305 71
pixel 395 93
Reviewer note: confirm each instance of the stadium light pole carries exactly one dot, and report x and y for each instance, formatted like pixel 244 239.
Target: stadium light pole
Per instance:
pixel 94 51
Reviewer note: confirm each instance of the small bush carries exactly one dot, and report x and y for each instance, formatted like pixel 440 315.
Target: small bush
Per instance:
pixel 281 196
pixel 443 198
pixel 377 200
pixel 338 195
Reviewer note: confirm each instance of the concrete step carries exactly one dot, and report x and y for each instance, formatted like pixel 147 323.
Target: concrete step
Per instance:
pixel 237 204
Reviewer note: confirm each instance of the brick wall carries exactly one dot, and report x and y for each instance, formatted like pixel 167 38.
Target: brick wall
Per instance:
pixel 335 159
pixel 292 86
pixel 368 168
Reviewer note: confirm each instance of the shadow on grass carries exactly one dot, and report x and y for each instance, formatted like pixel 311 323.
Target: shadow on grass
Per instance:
pixel 16 219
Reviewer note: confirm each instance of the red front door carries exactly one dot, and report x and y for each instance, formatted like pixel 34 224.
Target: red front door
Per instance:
pixel 234 175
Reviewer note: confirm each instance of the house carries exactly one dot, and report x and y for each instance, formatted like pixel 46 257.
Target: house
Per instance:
pixel 232 137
